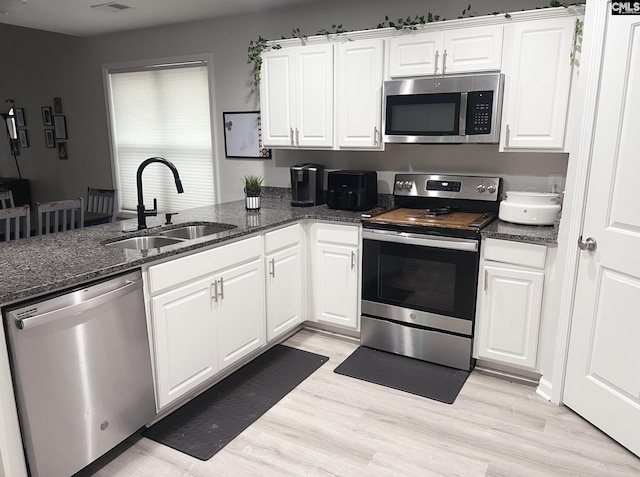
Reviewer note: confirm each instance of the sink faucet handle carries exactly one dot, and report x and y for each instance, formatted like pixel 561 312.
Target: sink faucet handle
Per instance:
pixel 167 217
pixel 154 211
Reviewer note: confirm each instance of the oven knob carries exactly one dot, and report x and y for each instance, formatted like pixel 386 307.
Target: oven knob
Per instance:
pixel 481 188
pixel 399 184
pixel 491 189
pixel 408 185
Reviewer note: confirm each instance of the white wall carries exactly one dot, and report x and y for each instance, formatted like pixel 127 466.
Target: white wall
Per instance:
pixel 47 65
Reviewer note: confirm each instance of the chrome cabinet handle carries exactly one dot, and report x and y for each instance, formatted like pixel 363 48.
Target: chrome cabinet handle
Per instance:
pixel 297 137
pixel 506 141
pixel 272 267
pixel 292 141
pixel 444 62
pixel 486 279
pixel 221 288
pixel 215 291
pixel 435 63
pixel 589 244
pixel 353 260
pixel 375 136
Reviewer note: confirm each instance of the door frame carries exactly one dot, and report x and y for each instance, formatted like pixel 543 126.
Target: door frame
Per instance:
pixel 579 166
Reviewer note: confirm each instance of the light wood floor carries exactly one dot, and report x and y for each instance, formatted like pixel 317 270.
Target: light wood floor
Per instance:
pixel 333 425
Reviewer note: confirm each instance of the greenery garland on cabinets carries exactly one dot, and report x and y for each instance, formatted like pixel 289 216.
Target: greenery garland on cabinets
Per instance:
pixel 256 48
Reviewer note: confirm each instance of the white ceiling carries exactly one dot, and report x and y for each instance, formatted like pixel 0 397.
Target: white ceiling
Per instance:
pixel 76 17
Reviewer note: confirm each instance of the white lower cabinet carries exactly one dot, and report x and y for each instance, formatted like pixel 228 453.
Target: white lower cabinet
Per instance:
pixel 207 313
pixel 334 268
pixel 284 280
pixel 510 298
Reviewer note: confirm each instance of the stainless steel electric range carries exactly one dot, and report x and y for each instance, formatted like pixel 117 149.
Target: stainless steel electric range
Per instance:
pixel 420 267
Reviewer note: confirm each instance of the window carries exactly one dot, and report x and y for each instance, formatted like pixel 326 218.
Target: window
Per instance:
pixel 162 111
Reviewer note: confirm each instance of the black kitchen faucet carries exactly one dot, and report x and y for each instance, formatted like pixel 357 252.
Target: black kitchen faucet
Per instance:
pixel 142 213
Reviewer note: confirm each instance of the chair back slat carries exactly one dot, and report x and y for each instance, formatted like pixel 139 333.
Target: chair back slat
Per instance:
pixel 60 216
pixel 103 202
pixel 11 223
pixel 6 200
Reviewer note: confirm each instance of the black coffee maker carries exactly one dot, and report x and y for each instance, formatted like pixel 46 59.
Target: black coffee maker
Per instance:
pixel 307 184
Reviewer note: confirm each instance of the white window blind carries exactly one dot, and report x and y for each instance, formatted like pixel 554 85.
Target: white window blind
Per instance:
pixel 163 112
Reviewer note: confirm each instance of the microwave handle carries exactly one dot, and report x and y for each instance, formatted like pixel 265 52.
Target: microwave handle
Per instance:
pixel 463 114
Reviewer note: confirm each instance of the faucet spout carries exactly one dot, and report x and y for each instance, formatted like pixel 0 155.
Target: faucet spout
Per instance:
pixel 142 213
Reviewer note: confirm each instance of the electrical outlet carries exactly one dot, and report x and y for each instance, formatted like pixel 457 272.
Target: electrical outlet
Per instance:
pixel 556 183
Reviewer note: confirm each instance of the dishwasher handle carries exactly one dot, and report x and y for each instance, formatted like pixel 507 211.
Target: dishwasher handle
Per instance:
pixel 66 311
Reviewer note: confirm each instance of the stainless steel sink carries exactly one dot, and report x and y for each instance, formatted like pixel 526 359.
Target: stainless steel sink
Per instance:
pixel 196 231
pixel 144 243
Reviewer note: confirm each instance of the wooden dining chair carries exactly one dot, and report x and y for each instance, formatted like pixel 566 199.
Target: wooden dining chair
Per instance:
pixel 101 206
pixel 60 216
pixel 6 199
pixel 15 222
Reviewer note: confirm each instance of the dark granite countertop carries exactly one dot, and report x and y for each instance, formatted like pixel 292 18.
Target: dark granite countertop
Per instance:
pixel 543 234
pixel 43 264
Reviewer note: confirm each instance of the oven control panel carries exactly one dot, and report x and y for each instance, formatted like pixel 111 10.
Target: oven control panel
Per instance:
pixel 446 186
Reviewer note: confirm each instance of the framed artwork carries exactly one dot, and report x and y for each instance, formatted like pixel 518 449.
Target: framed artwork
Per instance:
pixel 62 150
pixel 57 105
pixel 20 121
pixel 243 135
pixel 49 138
pixel 60 126
pixel 46 116
pixel 23 138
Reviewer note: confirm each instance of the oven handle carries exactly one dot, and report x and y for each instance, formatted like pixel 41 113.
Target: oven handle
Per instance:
pixel 449 243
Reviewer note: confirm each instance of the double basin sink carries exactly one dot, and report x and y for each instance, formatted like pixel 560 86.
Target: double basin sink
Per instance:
pixel 170 237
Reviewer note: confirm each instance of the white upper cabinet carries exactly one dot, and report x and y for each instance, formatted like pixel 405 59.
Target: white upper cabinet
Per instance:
pixel 537 69
pixel 296 97
pixel 359 76
pixel 459 50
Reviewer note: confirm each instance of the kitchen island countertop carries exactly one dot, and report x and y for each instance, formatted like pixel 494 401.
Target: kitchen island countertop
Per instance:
pixel 43 264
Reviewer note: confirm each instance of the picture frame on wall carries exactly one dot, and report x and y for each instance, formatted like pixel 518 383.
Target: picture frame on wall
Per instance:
pixel 47 119
pixel 243 135
pixel 60 126
pixel 49 138
pixel 23 138
pixel 20 120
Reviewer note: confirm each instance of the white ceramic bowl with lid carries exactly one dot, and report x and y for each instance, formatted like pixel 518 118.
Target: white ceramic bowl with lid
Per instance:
pixel 532 198
pixel 530 208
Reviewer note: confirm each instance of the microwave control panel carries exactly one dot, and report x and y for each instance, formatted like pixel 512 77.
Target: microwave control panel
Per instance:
pixel 479 112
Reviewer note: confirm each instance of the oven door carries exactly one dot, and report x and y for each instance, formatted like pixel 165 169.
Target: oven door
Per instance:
pixel 434 277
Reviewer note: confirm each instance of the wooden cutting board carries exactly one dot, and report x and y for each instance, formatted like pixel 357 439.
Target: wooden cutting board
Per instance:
pixel 454 220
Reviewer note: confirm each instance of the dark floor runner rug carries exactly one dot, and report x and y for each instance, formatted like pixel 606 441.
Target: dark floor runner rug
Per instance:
pixel 206 424
pixel 406 374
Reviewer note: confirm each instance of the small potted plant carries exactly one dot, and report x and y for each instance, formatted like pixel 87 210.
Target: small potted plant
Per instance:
pixel 252 186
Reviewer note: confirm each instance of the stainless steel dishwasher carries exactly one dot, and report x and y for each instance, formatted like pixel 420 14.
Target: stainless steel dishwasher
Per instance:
pixel 82 373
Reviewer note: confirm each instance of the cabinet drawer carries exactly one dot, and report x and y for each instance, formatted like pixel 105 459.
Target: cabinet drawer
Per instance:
pixel 337 234
pixel 282 238
pixel 518 253
pixel 181 270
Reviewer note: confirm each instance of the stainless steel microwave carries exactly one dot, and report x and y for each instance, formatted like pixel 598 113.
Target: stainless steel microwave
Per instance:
pixel 443 109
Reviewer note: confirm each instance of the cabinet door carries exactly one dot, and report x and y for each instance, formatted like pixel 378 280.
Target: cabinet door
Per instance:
pixel 537 84
pixel 415 54
pixel 472 49
pixel 336 285
pixel 284 291
pixel 360 94
pixel 184 339
pixel 276 97
pixel 239 310
pixel 509 319
pixel 314 97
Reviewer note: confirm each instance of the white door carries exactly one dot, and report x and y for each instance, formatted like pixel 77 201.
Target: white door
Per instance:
pixel 284 291
pixel 336 285
pixel 415 54
pixel 472 49
pixel 603 380
pixel 184 340
pixel 360 94
pixel 276 97
pixel 314 96
pixel 240 311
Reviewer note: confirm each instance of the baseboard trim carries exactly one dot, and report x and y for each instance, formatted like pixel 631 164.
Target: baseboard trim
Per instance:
pixel 545 389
